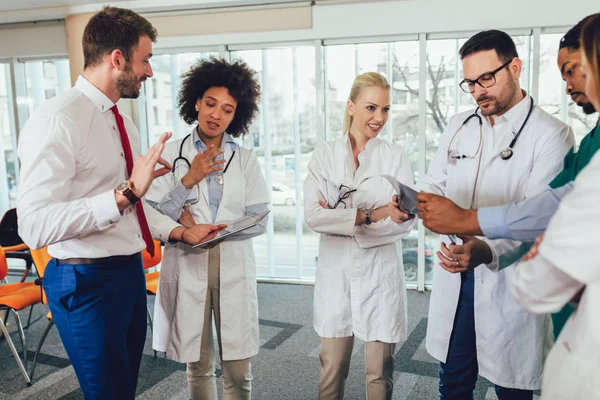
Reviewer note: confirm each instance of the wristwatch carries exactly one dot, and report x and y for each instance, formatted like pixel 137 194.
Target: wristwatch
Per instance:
pixel 126 189
pixel 368 216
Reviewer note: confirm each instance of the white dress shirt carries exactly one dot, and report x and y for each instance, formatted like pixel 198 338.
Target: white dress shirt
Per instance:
pixel 71 162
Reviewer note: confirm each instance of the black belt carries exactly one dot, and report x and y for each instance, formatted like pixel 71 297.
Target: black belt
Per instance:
pixel 102 260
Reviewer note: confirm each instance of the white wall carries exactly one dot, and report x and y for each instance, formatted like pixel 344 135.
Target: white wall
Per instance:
pixel 397 18
pixel 28 40
pixel 330 20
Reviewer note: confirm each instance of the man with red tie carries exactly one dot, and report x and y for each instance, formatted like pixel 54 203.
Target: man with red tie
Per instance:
pixel 81 194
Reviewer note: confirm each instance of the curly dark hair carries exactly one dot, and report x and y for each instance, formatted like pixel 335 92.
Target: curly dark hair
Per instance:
pixel 237 77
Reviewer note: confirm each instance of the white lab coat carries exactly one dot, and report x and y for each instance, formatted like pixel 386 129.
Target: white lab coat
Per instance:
pixel 179 306
pixel 511 344
pixel 567 263
pixel 359 287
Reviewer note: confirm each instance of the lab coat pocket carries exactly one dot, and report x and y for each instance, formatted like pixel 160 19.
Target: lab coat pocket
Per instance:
pixel 333 275
pixel 390 259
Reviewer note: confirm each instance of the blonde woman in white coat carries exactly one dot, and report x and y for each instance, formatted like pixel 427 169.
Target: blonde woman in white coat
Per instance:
pixel 222 183
pixel 359 289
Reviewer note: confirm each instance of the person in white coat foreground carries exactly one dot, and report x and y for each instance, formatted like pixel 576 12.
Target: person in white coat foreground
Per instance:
pixel 222 182
pixel 506 150
pixel 359 288
pixel 566 268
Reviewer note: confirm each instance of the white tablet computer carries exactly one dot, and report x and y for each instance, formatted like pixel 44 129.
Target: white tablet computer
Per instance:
pixel 235 226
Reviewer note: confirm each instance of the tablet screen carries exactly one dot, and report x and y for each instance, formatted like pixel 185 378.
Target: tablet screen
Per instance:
pixel 235 226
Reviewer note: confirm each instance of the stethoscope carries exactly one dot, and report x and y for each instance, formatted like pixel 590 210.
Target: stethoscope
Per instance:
pixel 505 154
pixel 180 158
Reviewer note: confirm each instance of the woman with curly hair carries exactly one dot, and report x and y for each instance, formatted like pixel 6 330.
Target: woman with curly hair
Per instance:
pixel 213 179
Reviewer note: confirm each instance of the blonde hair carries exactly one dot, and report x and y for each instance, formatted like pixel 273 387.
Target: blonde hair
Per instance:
pixel 368 79
pixel 590 43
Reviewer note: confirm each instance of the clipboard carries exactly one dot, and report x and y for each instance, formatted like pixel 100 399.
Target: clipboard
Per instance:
pixel 236 226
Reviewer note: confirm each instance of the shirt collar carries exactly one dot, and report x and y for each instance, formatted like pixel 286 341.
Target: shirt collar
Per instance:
pixel 517 114
pixel 99 99
pixel 370 144
pixel 201 146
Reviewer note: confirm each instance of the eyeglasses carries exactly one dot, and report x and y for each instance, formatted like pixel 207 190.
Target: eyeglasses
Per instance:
pixel 485 81
pixel 343 196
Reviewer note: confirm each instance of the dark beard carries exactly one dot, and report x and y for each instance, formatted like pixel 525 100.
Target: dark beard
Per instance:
pixel 127 85
pixel 501 107
pixel 588 108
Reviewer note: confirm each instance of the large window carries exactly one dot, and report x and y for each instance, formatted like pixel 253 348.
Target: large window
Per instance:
pixel 305 88
pixel 8 156
pixel 283 138
pixel 304 95
pixel 44 80
pixel 35 82
pixel 161 91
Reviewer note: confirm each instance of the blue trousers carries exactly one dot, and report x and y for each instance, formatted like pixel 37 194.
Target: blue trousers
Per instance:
pixel 458 375
pixel 100 313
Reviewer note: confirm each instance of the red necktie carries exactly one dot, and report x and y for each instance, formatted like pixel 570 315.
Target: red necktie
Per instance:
pixel 129 160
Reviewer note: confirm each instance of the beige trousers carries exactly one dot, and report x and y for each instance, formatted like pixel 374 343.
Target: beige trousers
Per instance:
pixel 335 364
pixel 237 378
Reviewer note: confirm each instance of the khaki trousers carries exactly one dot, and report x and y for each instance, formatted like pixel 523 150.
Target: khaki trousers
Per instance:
pixel 335 364
pixel 237 378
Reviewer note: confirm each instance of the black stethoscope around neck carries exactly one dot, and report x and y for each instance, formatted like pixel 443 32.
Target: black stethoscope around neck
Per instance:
pixel 505 154
pixel 180 157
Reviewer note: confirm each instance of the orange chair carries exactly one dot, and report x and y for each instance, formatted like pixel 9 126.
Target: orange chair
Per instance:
pixel 7 288
pixel 16 297
pixel 11 241
pixel 41 258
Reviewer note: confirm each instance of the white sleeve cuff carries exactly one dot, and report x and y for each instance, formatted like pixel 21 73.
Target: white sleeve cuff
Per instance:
pixel 104 209
pixel 164 228
pixel 493 265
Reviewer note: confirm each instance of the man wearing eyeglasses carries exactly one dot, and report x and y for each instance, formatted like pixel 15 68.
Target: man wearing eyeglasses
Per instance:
pixel 505 150
pixel 529 218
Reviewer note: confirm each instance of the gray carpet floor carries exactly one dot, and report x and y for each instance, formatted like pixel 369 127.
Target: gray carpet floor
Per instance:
pixel 286 368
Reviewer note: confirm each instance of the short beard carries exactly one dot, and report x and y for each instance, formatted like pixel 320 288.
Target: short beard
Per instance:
pixel 503 102
pixel 127 84
pixel 588 108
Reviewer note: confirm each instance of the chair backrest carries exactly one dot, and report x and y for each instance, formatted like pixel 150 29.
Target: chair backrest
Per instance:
pixel 150 261
pixel 3 264
pixel 41 257
pixel 9 232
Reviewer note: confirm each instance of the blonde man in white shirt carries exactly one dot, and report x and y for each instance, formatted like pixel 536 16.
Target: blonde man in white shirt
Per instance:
pixel 506 150
pixel 82 196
